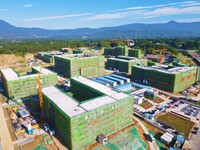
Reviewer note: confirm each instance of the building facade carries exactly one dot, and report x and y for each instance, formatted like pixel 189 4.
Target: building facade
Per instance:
pixel 93 109
pixel 124 64
pixel 172 80
pixel 116 51
pixel 135 53
pixel 80 64
pixel 16 86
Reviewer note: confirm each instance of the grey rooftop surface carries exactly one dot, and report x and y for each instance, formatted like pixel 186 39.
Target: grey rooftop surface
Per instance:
pixel 72 108
pixel 131 60
pixel 63 101
pixel 101 101
pixel 11 75
pixel 102 88
pixel 44 71
pixel 175 70
pixel 77 56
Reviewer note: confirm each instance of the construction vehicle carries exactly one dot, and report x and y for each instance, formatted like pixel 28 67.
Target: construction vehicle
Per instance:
pixel 39 86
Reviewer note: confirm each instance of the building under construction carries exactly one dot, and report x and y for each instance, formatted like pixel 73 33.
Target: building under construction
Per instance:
pixel 116 51
pixel 89 110
pixel 172 80
pixel 124 64
pixel 135 53
pixel 80 64
pixel 16 86
pixel 71 51
pixel 48 56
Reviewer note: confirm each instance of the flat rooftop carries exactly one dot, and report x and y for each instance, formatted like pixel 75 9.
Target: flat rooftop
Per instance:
pixel 175 70
pixel 102 88
pixel 11 75
pixel 44 71
pixel 121 59
pixel 63 101
pixel 101 101
pixel 78 56
pixel 72 108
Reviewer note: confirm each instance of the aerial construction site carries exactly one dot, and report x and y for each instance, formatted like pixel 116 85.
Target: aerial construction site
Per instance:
pixel 87 101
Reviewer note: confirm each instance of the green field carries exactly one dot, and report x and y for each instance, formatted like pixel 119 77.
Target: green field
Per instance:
pixel 182 125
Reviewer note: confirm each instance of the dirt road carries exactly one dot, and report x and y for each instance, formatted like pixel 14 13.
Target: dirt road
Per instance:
pixel 153 145
pixel 4 133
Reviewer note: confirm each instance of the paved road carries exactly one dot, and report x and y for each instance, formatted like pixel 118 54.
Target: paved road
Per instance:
pixel 5 135
pixel 153 145
pixel 195 145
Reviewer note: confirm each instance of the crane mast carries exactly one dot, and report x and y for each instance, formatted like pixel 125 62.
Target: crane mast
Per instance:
pixel 39 85
pixel 162 55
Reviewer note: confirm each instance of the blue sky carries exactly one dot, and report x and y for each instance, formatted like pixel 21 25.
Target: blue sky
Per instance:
pixel 69 14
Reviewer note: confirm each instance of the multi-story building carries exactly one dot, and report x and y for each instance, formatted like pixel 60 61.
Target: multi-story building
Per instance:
pixel 80 64
pixel 116 51
pixel 16 86
pixel 135 53
pixel 172 80
pixel 124 64
pixel 89 110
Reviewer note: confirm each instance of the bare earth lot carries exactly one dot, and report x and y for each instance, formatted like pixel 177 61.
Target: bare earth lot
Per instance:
pixel 11 59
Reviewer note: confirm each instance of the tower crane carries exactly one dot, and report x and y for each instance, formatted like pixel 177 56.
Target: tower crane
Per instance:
pixel 39 86
pixel 162 55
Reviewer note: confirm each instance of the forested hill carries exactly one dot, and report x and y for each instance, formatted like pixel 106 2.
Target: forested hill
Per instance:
pixel 171 29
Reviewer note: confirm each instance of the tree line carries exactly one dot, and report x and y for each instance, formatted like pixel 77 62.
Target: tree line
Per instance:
pixel 147 45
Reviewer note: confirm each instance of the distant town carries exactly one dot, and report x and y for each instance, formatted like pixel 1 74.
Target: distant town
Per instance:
pixel 116 94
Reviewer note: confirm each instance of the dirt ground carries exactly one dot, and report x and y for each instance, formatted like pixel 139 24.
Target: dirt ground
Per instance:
pixel 11 59
pixel 4 132
pixel 185 59
pixel 141 132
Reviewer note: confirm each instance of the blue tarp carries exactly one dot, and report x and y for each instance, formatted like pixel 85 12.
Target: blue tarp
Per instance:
pixel 180 138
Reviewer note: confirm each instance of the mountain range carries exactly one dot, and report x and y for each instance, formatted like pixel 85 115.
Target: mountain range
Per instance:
pixel 170 29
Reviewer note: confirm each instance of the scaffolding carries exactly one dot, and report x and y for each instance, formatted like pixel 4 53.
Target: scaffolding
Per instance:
pixel 124 64
pixel 80 64
pixel 116 51
pixel 79 123
pixel 172 80
pixel 17 87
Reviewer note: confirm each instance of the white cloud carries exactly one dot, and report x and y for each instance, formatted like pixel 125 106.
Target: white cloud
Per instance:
pixel 27 5
pixel 191 4
pixel 156 6
pixel 144 12
pixel 107 16
pixel 119 15
pixel 166 11
pixel 57 17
